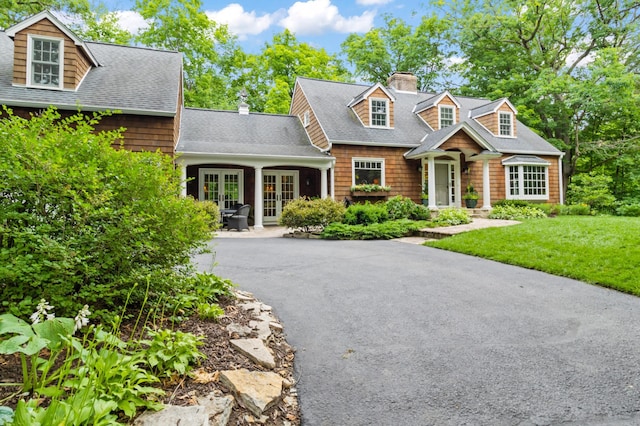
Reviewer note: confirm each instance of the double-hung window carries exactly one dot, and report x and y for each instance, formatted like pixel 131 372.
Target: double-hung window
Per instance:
pixel 45 61
pixel 447 116
pixel 368 171
pixel 527 182
pixel 379 112
pixel 505 123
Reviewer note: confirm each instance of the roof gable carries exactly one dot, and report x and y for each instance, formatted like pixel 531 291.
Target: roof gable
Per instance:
pixel 364 95
pixel 491 107
pixel 12 31
pixel 435 100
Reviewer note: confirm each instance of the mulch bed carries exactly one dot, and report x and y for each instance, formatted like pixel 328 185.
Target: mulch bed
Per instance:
pixel 204 378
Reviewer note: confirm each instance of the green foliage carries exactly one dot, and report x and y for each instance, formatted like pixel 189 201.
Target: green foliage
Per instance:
pixel 597 249
pixel 210 51
pixel 375 231
pixel 209 311
pixel 470 193
pixel 311 214
pixel 451 217
pixel 592 190
pixel 212 211
pixel 170 352
pixel 575 210
pixel 370 187
pixel 630 209
pixel 398 46
pixel 85 380
pixel 366 214
pixel 82 223
pixel 512 203
pixel 400 207
pixel 516 213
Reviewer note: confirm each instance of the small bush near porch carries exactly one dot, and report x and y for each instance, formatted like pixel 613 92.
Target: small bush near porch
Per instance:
pixel 600 250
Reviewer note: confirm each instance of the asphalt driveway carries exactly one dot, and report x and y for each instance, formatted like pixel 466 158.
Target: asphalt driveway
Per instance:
pixel 389 333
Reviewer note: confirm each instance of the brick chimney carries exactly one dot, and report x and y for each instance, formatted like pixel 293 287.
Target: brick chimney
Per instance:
pixel 403 82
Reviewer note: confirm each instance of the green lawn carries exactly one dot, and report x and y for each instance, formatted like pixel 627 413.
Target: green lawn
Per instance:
pixel 597 250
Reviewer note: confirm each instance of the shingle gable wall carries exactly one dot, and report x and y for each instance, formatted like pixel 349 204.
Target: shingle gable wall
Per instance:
pixel 76 64
pixel 491 121
pixel 299 106
pixel 431 115
pixel 362 108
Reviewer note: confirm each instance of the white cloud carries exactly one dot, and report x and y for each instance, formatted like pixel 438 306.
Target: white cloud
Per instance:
pixel 241 22
pixel 373 2
pixel 130 21
pixel 315 17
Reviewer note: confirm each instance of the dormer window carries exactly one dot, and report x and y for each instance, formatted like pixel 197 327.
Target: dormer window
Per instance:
pixel 379 112
pixel 45 64
pixel 447 116
pixel 505 123
pixel 306 120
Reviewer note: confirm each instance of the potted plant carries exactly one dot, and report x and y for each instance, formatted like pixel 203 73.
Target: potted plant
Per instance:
pixel 424 196
pixel 470 197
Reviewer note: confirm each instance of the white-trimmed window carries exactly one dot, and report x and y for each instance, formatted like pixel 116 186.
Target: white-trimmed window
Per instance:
pixel 379 112
pixel 306 118
pixel 527 182
pixel 446 116
pixel 505 123
pixel 45 64
pixel 368 171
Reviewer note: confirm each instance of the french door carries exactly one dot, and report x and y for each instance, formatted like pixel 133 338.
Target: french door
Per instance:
pixel 278 188
pixel 222 186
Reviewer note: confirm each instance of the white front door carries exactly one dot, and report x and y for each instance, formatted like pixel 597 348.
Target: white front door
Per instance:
pixel 445 184
pixel 278 188
pixel 222 186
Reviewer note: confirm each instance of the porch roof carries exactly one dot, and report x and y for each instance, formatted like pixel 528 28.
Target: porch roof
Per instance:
pixel 231 133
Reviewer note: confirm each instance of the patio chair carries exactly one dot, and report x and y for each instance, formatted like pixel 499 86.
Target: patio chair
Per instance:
pixel 238 220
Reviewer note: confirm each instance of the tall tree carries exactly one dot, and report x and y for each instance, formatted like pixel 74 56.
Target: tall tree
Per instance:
pixel 14 11
pixel 399 47
pixel 270 76
pixel 208 48
pixel 537 53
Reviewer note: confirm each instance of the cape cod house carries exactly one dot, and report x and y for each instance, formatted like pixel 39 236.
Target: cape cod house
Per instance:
pixel 337 134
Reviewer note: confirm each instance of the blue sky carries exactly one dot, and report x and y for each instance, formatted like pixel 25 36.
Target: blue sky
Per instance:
pixel 321 23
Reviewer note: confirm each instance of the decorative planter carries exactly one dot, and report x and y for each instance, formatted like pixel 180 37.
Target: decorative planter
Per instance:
pixel 471 203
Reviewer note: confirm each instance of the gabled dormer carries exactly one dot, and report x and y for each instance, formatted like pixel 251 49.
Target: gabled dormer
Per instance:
pixel 47 55
pixel 439 111
pixel 498 117
pixel 374 107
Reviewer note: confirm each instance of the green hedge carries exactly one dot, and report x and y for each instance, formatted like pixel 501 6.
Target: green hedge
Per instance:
pixel 311 214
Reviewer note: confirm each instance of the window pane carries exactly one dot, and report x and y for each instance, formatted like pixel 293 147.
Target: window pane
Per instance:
pixel 378 113
pixel 45 68
pixel 446 117
pixel 505 124
pixel 367 172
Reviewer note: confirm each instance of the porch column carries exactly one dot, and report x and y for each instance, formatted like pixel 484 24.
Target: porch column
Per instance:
pixel 323 183
pixel 332 175
pixel 486 186
pixel 431 170
pixel 183 179
pixel 258 209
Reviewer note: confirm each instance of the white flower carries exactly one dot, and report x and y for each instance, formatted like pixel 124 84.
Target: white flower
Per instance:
pixel 42 311
pixel 81 319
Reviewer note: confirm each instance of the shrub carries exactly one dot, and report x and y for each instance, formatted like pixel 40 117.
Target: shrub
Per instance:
pixel 629 210
pixel 575 210
pixel 420 212
pixel 81 222
pixel 516 213
pixel 366 214
pixel 592 190
pixel 376 231
pixel 212 211
pixel 451 217
pixel 512 203
pixel 549 209
pixel 399 207
pixel 311 214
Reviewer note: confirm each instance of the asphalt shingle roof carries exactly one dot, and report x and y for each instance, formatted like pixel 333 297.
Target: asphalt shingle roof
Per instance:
pixel 329 102
pixel 228 132
pixel 131 79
